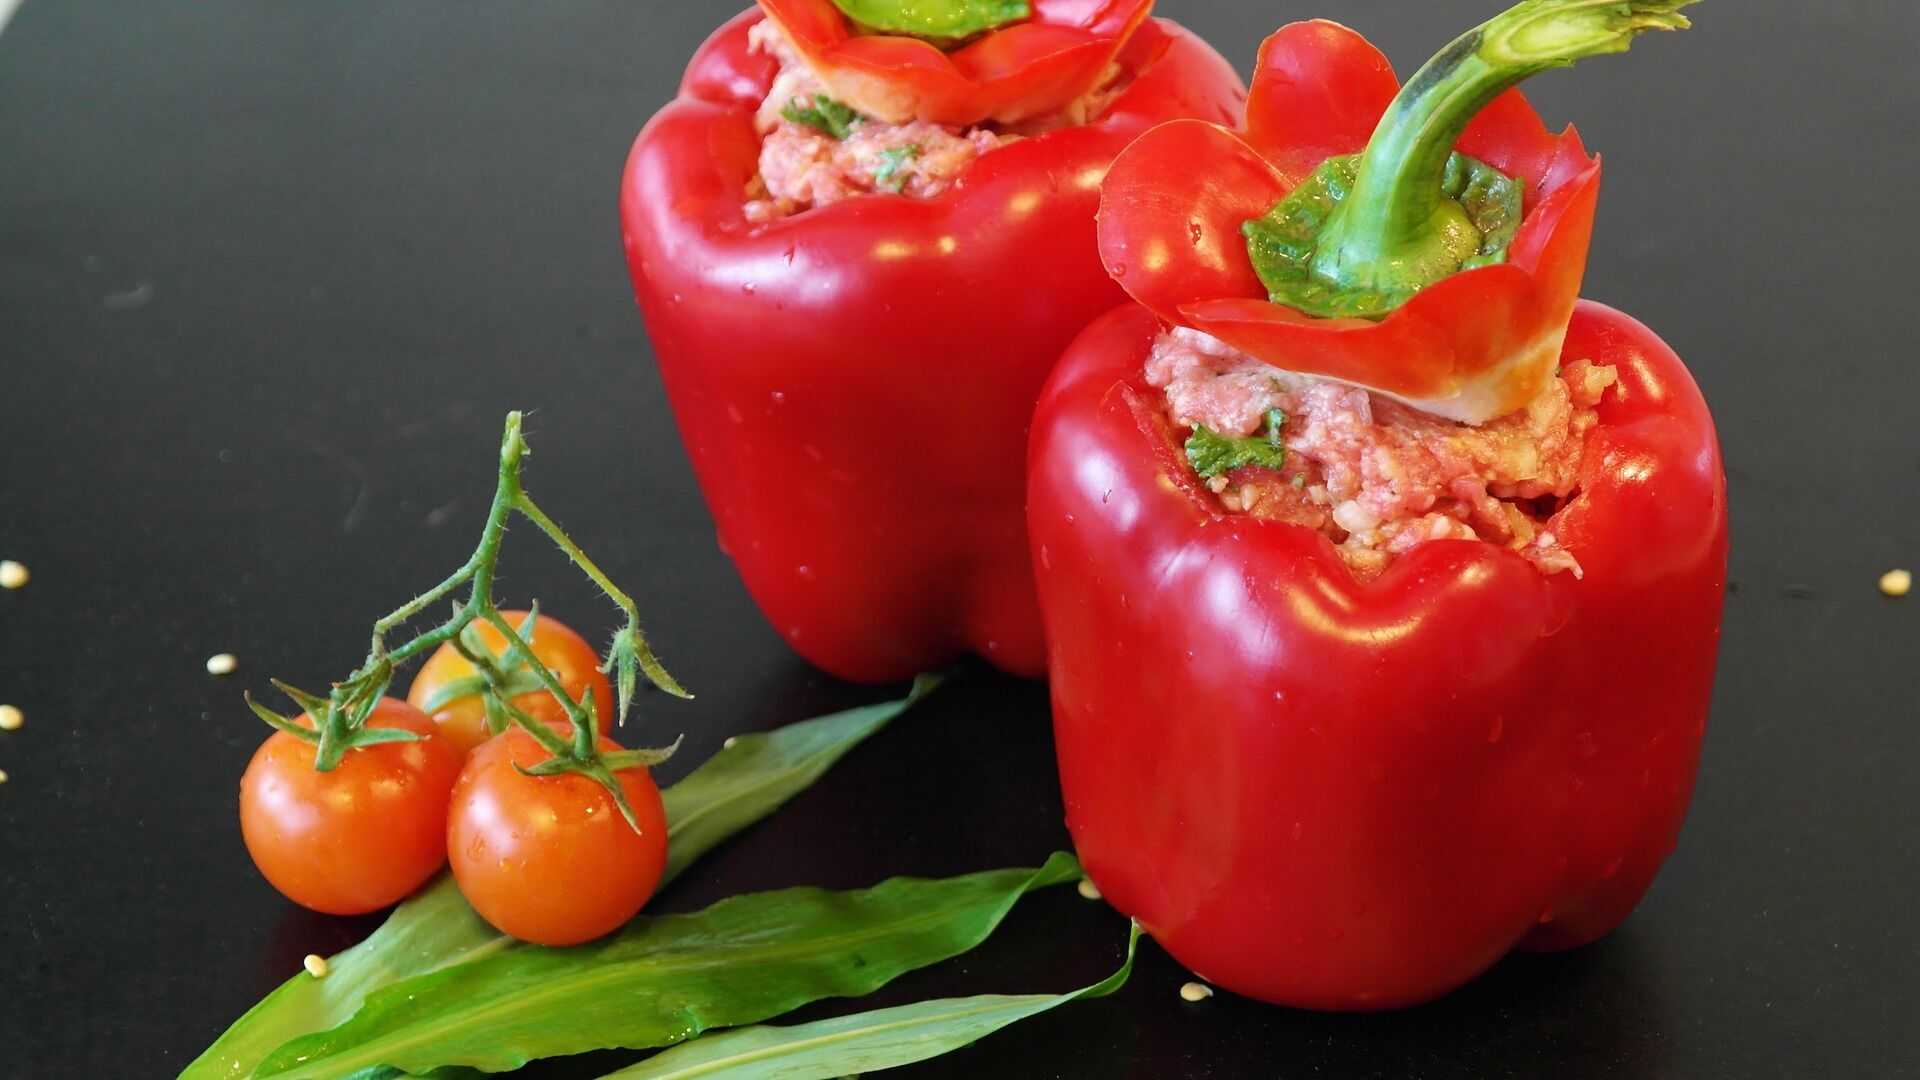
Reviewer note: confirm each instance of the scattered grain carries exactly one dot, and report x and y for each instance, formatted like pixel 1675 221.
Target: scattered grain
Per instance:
pixel 1896 582
pixel 316 965
pixel 1088 889
pixel 1195 991
pixel 222 664
pixel 728 745
pixel 13 575
pixel 11 718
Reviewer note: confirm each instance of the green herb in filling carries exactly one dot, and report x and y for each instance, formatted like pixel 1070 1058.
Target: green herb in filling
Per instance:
pixel 888 175
pixel 825 115
pixel 1212 454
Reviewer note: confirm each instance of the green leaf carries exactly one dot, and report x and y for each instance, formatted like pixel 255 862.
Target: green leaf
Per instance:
pixel 826 115
pixel 1211 454
pixel 860 1043
pixel 943 22
pixel 667 978
pixel 388 1072
pixel 436 929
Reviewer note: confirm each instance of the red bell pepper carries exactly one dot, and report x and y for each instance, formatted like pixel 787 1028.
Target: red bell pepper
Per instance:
pixel 854 382
pixel 1356 794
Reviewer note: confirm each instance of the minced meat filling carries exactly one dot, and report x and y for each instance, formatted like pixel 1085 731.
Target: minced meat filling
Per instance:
pixel 1378 477
pixel 802 166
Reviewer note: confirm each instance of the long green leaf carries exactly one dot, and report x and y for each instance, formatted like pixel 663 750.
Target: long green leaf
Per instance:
pixel 436 929
pixel 667 978
pixel 860 1043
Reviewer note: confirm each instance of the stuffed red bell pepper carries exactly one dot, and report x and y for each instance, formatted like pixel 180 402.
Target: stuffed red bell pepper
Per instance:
pixel 861 236
pixel 1382 577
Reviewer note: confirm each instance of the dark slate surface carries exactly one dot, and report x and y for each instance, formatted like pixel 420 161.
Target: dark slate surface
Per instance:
pixel 271 273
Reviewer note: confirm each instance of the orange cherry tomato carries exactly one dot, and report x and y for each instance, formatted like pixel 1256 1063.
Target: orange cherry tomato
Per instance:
pixel 566 654
pixel 550 859
pixel 362 836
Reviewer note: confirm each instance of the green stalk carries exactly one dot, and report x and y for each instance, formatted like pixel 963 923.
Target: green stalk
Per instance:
pixel 340 718
pixel 1397 228
pixel 946 24
pixel 642 654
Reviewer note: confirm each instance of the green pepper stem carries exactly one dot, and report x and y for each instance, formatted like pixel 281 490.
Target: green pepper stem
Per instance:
pixel 944 24
pixel 1396 230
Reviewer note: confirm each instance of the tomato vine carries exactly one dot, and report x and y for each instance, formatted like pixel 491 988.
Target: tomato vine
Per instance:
pixel 340 717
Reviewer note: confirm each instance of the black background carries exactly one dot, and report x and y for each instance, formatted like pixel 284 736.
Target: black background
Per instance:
pixel 270 274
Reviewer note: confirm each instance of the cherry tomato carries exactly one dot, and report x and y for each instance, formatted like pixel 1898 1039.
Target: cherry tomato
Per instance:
pixel 549 859
pixel 566 654
pixel 362 836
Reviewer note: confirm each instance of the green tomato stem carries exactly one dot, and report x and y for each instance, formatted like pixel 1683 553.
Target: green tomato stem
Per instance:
pixel 433 638
pixel 656 673
pixel 340 718
pixel 519 654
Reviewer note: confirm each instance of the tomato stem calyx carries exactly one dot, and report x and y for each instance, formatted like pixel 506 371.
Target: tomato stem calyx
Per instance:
pixel 340 718
pixel 581 755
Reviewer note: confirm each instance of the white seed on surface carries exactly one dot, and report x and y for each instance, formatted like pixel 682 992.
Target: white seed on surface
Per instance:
pixel 13 575
pixel 222 664
pixel 1896 582
pixel 1088 889
pixel 11 718
pixel 1196 991
pixel 3 776
pixel 316 965
pixel 728 744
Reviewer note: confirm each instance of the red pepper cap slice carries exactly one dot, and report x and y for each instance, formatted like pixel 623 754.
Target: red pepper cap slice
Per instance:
pixel 1475 345
pixel 1010 74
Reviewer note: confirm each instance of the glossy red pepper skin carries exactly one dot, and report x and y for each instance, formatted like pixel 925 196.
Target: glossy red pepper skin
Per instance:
pixel 854 383
pixel 1344 795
